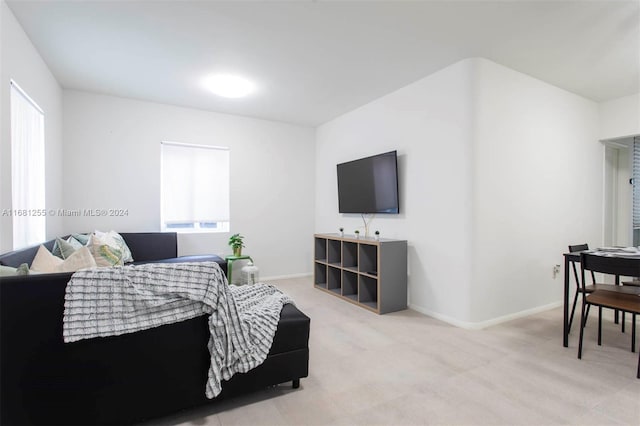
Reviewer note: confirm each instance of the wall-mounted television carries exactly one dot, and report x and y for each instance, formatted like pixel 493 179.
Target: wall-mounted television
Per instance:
pixel 369 185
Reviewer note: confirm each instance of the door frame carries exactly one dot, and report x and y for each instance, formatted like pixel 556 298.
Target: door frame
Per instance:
pixel 618 193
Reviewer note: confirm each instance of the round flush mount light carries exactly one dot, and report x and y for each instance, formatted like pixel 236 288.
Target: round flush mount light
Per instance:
pixel 228 85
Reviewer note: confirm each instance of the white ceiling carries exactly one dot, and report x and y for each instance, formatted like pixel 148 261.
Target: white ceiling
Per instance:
pixel 314 61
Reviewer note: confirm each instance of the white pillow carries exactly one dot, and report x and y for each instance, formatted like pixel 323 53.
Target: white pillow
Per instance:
pixel 44 261
pixel 80 259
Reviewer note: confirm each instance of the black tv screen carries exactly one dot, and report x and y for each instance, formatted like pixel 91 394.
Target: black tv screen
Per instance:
pixel 369 185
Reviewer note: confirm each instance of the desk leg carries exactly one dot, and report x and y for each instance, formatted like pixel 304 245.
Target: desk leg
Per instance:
pixel 565 337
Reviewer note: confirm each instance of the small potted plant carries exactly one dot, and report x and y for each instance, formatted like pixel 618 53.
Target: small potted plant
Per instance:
pixel 357 234
pixel 377 234
pixel 342 232
pixel 236 244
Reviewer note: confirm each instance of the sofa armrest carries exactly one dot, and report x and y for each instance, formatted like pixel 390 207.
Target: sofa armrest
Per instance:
pixel 146 246
pixel 25 255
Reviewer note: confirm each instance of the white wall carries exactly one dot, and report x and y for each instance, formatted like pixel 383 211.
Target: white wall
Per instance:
pixel 620 117
pixel 537 186
pixel 20 61
pixel 429 122
pixel 112 160
pixel 499 173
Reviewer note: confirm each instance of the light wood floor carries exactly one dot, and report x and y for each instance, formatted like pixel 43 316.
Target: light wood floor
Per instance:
pixel 406 368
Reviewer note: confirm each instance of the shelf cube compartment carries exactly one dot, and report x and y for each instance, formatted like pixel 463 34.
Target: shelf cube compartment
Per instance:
pixel 368 259
pixel 350 285
pixel 368 292
pixel 320 275
pixel 350 255
pixel 333 280
pixel 320 250
pixel 334 252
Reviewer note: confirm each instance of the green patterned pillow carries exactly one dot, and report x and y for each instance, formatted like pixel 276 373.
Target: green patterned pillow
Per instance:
pixel 103 253
pixel 75 243
pixel 82 238
pixel 23 269
pixel 126 252
pixel 115 240
pixel 63 249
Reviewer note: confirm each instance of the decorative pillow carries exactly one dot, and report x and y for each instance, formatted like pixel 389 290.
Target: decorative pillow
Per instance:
pixel 103 253
pixel 82 238
pixel 115 240
pixel 8 271
pixel 126 252
pixel 45 261
pixel 63 249
pixel 81 259
pixel 74 243
pixel 23 269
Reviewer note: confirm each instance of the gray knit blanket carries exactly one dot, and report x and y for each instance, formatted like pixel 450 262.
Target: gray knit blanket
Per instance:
pixel 112 301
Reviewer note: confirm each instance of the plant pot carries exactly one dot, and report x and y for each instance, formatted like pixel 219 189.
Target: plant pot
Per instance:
pixel 237 251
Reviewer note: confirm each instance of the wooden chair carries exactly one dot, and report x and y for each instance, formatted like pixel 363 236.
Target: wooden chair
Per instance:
pixel 588 289
pixel 623 298
pixel 574 249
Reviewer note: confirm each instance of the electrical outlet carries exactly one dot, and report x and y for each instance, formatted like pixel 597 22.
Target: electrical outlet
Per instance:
pixel 556 271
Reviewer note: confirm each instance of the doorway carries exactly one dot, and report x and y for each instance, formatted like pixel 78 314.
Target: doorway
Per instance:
pixel 619 211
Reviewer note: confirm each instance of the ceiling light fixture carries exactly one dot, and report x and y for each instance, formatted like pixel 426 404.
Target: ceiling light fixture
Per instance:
pixel 228 85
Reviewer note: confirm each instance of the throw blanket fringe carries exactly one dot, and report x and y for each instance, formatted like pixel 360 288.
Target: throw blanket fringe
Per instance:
pixel 103 302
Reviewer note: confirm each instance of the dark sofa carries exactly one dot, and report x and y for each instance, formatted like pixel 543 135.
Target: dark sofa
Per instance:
pixel 121 379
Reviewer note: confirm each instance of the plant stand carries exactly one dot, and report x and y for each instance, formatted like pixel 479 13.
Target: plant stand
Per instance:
pixel 230 259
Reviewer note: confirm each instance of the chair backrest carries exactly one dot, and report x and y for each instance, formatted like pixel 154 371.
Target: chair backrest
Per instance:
pixel 618 266
pixel 576 248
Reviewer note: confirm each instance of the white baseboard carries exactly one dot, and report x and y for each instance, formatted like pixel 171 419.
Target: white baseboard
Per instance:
pixel 285 277
pixel 484 324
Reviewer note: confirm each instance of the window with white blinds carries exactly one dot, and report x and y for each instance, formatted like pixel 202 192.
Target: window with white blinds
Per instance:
pixel 194 188
pixel 27 170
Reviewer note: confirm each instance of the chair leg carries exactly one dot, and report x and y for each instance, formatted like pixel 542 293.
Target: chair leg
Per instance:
pixel 573 310
pixel 616 319
pixel 599 325
pixel 633 333
pixel 623 321
pixel 583 321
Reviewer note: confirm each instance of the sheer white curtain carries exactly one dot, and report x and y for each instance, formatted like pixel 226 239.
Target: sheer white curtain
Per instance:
pixel 195 185
pixel 27 170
